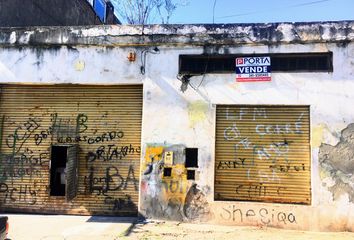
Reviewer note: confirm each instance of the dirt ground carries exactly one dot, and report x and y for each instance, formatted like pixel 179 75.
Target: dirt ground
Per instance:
pixel 157 230
pixel 66 227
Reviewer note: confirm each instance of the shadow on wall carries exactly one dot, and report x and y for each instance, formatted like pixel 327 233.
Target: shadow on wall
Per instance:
pixel 337 163
pixel 168 187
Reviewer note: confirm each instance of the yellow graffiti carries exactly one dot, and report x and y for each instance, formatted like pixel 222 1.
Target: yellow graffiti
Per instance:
pixel 79 65
pixel 197 112
pixel 153 153
pixel 322 133
pixel 175 187
pixel 317 134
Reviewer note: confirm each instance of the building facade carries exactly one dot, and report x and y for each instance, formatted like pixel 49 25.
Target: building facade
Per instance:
pixel 17 13
pixel 159 121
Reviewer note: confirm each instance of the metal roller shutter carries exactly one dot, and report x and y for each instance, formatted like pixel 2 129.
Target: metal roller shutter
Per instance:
pixel 104 122
pixel 263 154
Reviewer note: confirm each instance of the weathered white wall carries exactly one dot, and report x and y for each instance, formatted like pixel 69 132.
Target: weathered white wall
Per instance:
pixel 167 119
pixel 172 117
pixel 85 65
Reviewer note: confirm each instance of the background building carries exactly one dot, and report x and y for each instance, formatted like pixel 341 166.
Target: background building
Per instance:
pixel 17 13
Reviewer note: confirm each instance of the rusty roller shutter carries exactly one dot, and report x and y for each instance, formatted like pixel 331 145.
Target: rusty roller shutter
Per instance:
pixel 104 122
pixel 263 154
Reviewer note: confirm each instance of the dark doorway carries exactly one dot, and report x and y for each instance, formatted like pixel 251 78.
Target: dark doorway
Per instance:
pixel 58 162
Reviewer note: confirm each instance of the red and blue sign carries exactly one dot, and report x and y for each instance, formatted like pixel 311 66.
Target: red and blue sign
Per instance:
pixel 253 69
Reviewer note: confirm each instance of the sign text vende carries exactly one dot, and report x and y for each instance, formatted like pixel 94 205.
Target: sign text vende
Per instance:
pixel 253 69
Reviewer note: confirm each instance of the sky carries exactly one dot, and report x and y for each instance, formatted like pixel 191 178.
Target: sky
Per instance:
pixel 262 11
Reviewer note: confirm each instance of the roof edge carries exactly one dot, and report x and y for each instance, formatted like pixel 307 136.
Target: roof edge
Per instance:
pixel 187 34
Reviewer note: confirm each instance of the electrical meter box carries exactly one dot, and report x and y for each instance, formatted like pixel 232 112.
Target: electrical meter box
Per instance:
pixel 169 158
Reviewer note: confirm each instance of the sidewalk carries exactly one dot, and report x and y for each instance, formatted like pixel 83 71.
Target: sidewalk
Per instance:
pixel 59 227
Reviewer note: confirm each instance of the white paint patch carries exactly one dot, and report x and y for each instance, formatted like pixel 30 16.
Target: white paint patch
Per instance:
pixel 25 37
pixel 287 31
pixel 192 29
pixel 111 30
pixel 79 65
pixel 326 35
pixel 13 37
pixel 64 39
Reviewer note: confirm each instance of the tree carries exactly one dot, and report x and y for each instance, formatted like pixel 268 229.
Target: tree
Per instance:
pixel 145 11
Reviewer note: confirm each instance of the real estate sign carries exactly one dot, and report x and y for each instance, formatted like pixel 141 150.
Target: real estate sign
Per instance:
pixel 253 69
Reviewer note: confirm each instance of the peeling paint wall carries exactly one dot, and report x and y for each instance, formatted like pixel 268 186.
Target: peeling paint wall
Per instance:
pixel 173 121
pixel 337 166
pixel 173 196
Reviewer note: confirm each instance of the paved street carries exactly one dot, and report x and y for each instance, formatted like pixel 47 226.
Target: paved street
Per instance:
pixel 58 227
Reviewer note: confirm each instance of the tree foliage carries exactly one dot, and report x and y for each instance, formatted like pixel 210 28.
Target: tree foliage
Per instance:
pixel 146 11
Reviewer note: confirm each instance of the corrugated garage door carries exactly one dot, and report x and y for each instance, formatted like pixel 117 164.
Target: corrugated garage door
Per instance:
pixel 70 148
pixel 263 153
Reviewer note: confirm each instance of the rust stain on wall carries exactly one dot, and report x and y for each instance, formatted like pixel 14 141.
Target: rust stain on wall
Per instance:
pixel 337 162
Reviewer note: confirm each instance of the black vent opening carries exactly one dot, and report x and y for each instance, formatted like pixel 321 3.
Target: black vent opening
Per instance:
pixel 190 174
pixel 167 172
pixel 191 158
pixel 282 62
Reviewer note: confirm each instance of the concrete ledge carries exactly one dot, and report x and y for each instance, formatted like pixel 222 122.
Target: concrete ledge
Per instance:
pixel 199 34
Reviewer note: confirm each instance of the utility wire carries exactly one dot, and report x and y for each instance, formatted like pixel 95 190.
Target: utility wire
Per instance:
pixel 214 11
pixel 272 9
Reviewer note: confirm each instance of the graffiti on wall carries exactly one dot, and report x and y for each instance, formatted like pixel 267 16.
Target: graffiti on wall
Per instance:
pixel 25 161
pixel 112 181
pixel 173 196
pixel 121 203
pixel 23 193
pixel 266 216
pixel 264 152
pixel 275 152
pixel 111 152
pixel 337 163
pixel 23 164
pixel 19 162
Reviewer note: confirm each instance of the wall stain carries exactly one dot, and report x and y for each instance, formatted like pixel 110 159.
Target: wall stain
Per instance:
pixel 197 112
pixel 196 206
pixel 322 133
pixel 317 135
pixel 79 65
pixel 337 162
